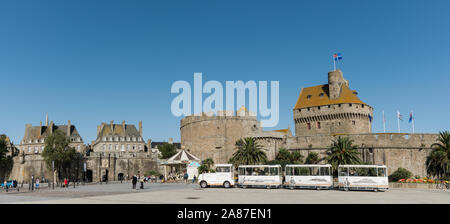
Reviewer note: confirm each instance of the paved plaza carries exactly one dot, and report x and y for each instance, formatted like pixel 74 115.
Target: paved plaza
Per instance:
pixel 175 193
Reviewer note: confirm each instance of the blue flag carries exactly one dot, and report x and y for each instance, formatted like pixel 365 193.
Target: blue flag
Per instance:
pixel 370 118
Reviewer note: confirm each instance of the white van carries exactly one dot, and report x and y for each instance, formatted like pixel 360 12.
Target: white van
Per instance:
pixel 363 177
pixel 222 177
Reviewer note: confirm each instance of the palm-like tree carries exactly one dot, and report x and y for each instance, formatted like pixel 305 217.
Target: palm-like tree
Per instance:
pixel 342 151
pixel 248 153
pixel 438 161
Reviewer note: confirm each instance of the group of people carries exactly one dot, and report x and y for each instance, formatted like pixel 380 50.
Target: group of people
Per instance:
pixel 137 178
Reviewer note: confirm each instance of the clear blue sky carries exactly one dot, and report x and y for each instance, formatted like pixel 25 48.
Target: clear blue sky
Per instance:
pixel 96 61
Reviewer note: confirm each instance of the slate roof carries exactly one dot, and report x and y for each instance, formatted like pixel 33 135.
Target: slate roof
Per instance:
pixel 319 96
pixel 118 130
pixel 35 132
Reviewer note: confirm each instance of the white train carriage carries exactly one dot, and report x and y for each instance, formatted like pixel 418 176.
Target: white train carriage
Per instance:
pixel 309 176
pixel 363 177
pixel 269 176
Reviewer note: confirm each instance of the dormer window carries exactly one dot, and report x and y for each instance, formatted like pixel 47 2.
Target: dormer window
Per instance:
pixel 321 95
pixel 308 97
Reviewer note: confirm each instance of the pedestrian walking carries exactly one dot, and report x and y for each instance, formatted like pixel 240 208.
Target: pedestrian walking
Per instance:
pixel 66 182
pixel 194 179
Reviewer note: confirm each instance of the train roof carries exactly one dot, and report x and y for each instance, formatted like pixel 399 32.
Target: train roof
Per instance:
pixel 364 166
pixel 248 166
pixel 308 165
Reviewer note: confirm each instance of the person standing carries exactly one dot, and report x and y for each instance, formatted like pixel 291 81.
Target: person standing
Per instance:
pixel 66 182
pixel 32 182
pixel 142 182
pixel 37 183
pixel 185 177
pixel 134 181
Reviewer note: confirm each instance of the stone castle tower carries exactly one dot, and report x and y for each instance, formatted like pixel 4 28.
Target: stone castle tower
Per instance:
pixel 214 136
pixel 331 108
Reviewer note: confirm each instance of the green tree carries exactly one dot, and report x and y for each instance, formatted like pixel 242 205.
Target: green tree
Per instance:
pixel 57 148
pixel 312 158
pixel 342 151
pixel 203 169
pixel 208 162
pixel 248 153
pixel 167 150
pixel 285 157
pixel 400 173
pixel 438 161
pixel 6 161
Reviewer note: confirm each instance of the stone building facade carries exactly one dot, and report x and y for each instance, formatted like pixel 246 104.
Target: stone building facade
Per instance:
pixel 29 160
pixel 118 152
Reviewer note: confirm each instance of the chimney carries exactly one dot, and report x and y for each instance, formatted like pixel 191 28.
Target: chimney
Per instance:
pixel 112 126
pixel 140 128
pixel 99 128
pixel 46 120
pixel 123 126
pixel 149 144
pixel 171 141
pixel 51 127
pixel 40 129
pixel 69 127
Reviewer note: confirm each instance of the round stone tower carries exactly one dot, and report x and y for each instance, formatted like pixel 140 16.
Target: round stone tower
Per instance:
pixel 210 136
pixel 331 109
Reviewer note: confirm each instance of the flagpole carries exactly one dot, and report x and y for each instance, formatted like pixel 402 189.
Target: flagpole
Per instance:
pixel 384 123
pixel 398 121
pixel 412 117
pixel 334 63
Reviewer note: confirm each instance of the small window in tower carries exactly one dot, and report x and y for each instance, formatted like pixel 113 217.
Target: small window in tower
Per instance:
pixel 318 107
pixel 321 95
pixel 308 97
pixel 308 108
pixel 362 105
pixel 329 106
pixel 318 125
pixel 309 126
pixel 339 105
pixel 349 104
pixel 353 122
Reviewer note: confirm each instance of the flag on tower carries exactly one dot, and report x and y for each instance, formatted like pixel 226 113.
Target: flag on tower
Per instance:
pixel 411 117
pixel 370 118
pixel 400 117
pixel 337 56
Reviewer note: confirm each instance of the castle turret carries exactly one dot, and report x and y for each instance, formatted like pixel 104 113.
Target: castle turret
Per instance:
pixel 332 108
pixel 335 82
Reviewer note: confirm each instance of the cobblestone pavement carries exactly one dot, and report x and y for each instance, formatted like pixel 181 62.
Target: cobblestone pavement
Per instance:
pixel 117 193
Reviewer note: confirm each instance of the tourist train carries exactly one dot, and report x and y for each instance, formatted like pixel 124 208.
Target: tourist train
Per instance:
pixel 306 176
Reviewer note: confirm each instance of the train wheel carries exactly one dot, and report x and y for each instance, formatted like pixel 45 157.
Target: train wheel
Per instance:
pixel 226 184
pixel 203 184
